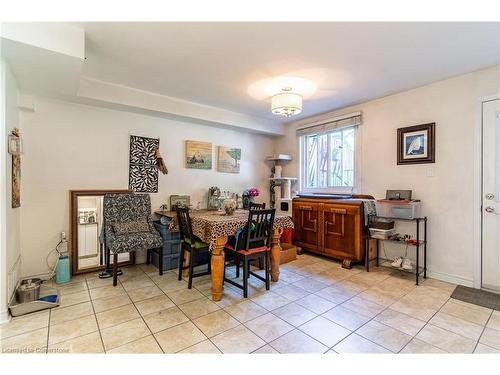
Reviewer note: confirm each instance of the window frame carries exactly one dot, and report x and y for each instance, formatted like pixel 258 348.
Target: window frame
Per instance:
pixel 331 189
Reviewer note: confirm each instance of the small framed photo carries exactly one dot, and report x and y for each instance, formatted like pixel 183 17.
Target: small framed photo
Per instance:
pixel 416 144
pixel 15 145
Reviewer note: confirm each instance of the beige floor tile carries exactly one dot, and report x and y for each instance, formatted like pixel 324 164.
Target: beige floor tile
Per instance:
pixel 106 291
pixel 381 296
pixel 385 336
pixel 182 336
pixel 149 269
pixel 484 349
pixel 291 292
pixel 363 307
pixel 74 298
pixel 457 325
pixel 336 294
pixel 315 303
pixel 117 316
pixel 294 314
pixel 96 282
pixel 238 340
pixel 170 285
pixel 198 308
pixel 141 294
pixel 74 328
pixel 446 340
pixel 124 333
pixel 155 304
pixel 472 313
pixel 494 321
pixel 266 349
pixel 204 347
pixel 430 297
pixel 137 284
pixel 160 320
pixel 417 346
pixel 439 284
pixel 25 323
pixel 290 277
pixel 357 344
pixel 90 343
pixel 324 331
pixel 30 342
pixel 400 321
pixel 346 318
pixel 297 342
pixel 65 289
pixel 181 297
pixel 71 312
pixel 145 345
pixel 413 309
pixel 311 285
pixel 230 297
pixel 245 311
pixel 491 337
pixel 270 300
pixel 112 302
pixel 215 323
pixel 268 327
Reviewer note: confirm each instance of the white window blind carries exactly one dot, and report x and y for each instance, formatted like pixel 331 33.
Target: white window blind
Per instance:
pixel 328 125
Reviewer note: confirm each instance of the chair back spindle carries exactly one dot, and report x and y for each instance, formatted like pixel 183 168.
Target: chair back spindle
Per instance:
pixel 259 228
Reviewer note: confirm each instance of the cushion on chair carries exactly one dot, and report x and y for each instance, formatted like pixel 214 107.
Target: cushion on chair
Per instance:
pixel 198 244
pixel 135 241
pixel 254 250
pixel 131 226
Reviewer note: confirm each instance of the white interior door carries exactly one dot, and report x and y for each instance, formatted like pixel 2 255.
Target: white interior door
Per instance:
pixel 491 196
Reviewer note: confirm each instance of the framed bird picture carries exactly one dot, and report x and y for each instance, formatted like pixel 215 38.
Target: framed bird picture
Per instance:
pixel 416 144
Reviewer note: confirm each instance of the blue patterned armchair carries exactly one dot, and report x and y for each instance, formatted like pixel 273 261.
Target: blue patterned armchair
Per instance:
pixel 128 227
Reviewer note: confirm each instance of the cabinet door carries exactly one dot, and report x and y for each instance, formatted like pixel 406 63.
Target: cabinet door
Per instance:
pixel 341 231
pixel 306 221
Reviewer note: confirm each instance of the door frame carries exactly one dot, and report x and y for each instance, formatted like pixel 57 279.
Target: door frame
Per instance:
pixel 478 191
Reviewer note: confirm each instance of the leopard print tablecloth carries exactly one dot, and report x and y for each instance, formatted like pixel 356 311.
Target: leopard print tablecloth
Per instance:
pixel 209 225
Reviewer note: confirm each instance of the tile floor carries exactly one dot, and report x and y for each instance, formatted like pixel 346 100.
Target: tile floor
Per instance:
pixel 316 307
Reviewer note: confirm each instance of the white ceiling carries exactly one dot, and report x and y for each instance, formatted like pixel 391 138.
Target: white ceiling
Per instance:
pixel 214 63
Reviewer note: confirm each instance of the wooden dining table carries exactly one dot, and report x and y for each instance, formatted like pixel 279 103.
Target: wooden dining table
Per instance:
pixel 214 228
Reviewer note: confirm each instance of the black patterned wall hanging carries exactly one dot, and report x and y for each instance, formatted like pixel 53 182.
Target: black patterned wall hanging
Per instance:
pixel 143 171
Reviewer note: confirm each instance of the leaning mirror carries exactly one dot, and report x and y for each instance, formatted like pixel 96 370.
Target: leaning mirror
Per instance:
pixel 87 252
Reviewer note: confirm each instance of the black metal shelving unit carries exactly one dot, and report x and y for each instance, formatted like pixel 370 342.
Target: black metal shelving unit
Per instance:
pixel 420 243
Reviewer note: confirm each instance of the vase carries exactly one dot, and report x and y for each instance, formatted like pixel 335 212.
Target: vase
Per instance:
pixel 247 199
pixel 230 206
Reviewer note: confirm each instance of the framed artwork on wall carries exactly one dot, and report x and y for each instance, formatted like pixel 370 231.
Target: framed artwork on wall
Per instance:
pixel 198 155
pixel 143 170
pixel 229 159
pixel 416 144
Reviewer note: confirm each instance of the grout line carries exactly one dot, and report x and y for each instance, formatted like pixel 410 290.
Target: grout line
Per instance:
pixel 482 332
pixel 95 317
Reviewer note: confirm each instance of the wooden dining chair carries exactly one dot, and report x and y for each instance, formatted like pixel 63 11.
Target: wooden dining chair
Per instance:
pixel 191 244
pixel 253 245
pixel 257 206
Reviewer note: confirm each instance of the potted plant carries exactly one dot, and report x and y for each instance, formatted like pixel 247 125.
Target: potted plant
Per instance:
pixel 249 196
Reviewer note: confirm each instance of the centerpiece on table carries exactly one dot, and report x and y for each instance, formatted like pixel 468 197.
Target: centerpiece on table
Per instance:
pixel 249 196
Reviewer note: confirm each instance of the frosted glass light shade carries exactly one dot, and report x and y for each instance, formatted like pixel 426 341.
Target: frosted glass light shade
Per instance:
pixel 286 104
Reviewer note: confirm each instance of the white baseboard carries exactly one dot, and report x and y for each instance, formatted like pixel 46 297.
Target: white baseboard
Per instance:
pixel 4 317
pixel 454 279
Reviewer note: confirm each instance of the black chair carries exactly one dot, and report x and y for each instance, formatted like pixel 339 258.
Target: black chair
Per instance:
pixel 257 206
pixel 190 243
pixel 253 244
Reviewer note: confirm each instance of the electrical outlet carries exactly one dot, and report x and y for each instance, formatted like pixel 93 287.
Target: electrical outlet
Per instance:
pixel 63 236
pixel 431 172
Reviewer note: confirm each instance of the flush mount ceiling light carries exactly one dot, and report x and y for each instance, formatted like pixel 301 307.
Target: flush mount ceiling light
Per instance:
pixel 285 93
pixel 286 103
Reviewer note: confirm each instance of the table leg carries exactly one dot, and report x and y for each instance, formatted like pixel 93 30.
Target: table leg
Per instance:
pixel 276 254
pixel 217 265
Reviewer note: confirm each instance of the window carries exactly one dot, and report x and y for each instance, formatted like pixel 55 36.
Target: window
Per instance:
pixel 328 160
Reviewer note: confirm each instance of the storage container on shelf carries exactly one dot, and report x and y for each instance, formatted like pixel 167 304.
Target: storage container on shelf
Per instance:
pixel 381 234
pixel 402 209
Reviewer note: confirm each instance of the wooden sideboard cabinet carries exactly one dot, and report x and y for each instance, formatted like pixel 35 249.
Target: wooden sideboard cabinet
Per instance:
pixel 331 227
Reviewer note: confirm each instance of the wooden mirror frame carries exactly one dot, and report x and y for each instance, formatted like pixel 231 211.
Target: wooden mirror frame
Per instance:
pixel 73 224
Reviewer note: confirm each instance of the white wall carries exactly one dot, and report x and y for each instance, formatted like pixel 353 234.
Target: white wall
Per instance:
pixel 453 105
pixel 73 146
pixel 10 217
